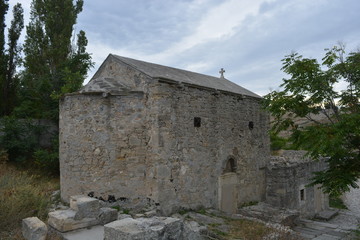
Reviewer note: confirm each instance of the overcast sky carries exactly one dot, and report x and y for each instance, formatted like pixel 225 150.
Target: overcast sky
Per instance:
pixel 248 38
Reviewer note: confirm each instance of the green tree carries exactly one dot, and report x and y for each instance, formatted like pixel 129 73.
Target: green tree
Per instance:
pixel 9 58
pixel 310 92
pixel 4 6
pixel 54 65
pixel 12 60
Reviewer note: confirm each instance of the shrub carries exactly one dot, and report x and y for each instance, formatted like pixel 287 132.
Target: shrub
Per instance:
pixel 48 159
pixel 18 137
pixel 276 142
pixel 4 156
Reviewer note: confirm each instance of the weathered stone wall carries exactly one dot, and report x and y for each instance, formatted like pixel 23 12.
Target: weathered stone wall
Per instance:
pixel 103 146
pixel 41 129
pixel 287 178
pixel 104 139
pixel 191 159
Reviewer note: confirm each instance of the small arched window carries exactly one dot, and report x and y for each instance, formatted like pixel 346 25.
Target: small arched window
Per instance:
pixel 230 166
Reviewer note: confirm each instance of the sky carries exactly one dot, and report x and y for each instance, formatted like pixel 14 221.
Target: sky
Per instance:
pixel 248 38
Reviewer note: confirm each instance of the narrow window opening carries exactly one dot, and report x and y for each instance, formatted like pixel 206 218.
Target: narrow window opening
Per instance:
pixel 302 194
pixel 197 122
pixel 251 125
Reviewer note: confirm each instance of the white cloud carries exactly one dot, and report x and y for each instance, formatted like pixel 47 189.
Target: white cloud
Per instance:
pixel 246 37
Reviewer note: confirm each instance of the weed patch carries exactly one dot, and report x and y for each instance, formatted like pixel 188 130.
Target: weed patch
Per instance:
pixel 22 195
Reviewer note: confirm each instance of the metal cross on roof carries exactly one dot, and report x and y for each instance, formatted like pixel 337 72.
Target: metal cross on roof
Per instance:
pixel 222 73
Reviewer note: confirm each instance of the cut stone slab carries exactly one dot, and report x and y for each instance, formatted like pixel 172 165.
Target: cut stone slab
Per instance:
pixel 93 233
pixel 156 228
pixel 85 207
pixel 107 215
pixel 125 229
pixel 63 221
pixel 326 215
pixel 34 229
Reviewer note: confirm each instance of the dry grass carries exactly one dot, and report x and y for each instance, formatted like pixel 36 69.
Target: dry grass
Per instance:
pixel 22 194
pixel 248 230
pixel 240 229
pixel 245 229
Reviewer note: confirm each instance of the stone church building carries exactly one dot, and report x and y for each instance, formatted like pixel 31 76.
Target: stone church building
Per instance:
pixel 180 139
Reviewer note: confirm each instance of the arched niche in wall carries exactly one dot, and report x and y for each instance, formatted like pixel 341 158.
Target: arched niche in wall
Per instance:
pixel 230 165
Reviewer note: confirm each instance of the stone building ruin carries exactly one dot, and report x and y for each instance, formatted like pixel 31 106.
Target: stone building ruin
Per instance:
pixel 140 132
pixel 287 180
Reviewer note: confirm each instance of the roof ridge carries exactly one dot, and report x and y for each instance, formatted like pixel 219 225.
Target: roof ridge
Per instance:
pixel 179 69
pixel 154 70
pixel 119 58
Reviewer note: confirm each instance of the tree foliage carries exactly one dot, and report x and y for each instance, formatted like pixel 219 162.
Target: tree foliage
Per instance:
pixel 312 91
pixel 10 58
pixel 54 64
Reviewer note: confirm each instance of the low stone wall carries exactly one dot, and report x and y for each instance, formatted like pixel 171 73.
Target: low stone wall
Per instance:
pixel 44 133
pixel 288 176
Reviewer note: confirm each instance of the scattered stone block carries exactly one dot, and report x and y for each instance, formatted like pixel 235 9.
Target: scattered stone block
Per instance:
pixel 107 215
pixel 156 228
pixel 172 228
pixel 34 229
pixel 64 221
pixel 192 230
pixel 85 207
pixel 125 229
pixel 326 215
pixel 93 233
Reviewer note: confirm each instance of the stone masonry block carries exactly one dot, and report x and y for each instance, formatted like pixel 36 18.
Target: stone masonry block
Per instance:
pixel 34 229
pixel 125 229
pixel 63 221
pixel 156 228
pixel 107 215
pixel 85 207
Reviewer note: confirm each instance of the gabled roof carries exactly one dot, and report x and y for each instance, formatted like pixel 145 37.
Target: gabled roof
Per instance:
pixel 157 71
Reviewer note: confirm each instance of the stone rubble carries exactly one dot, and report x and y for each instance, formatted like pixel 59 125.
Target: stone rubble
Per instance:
pixel 34 229
pixel 84 212
pixel 193 230
pixel 85 207
pixel 64 221
pixel 155 228
pixel 107 215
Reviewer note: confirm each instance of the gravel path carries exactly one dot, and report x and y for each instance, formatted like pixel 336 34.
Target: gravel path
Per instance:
pixel 352 200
